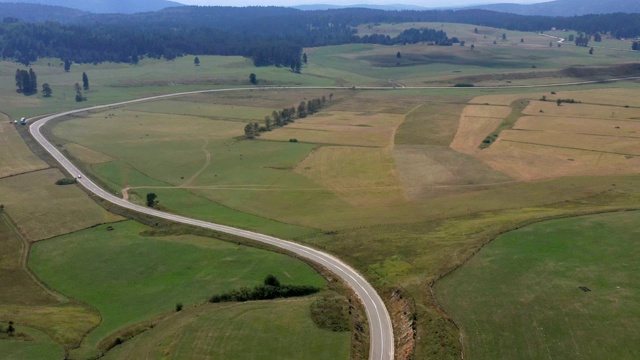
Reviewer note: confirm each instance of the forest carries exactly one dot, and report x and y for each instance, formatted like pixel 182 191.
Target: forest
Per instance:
pixel 267 35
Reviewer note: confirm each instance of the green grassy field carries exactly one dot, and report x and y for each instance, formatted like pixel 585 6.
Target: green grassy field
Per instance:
pixel 38 346
pixel 259 330
pixel 520 296
pixel 129 277
pixel 110 82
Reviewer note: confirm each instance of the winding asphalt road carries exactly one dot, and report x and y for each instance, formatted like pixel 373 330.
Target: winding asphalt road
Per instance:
pixel 381 330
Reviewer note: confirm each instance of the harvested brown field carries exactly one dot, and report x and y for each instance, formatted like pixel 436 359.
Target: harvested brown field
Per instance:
pixel 43 210
pixel 567 140
pixel 15 156
pixel 16 286
pixel 527 161
pixel 601 112
pixel 595 143
pixel 476 122
pixel 340 128
pixel 623 128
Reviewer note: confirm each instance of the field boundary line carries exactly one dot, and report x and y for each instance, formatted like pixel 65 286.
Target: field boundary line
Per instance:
pixel 24 261
pixel 570 148
pixel 27 172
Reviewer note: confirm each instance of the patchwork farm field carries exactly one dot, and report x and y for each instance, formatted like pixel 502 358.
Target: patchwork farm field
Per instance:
pixel 571 291
pixel 549 140
pixel 393 182
pixel 404 176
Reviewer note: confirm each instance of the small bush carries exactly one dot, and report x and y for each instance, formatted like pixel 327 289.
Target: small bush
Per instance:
pixel 463 85
pixel 179 307
pixel 293 140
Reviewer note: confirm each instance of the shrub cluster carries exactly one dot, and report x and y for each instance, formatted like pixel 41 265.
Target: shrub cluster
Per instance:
pixel 270 289
pixel 65 181
pixel 568 101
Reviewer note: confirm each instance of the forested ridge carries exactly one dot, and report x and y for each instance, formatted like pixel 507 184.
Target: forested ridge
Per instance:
pixel 268 35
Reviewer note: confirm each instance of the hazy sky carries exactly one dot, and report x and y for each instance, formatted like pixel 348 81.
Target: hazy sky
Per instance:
pixel 425 3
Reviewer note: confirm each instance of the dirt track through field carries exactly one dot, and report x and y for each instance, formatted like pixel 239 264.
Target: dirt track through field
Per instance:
pixel 207 162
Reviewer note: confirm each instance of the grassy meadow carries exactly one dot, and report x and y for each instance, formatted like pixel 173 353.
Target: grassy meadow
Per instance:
pixel 264 329
pixel 104 268
pixel 393 182
pixel 537 309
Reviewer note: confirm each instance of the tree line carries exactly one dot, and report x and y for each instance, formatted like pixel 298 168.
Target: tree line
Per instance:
pixel 267 35
pixel 286 116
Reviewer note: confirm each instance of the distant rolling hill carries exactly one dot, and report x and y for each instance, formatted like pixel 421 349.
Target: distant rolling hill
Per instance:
pixel 39 13
pixel 103 6
pixel 567 7
pixel 393 7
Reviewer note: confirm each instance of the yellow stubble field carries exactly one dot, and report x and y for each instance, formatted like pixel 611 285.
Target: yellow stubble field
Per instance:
pixel 554 140
pixel 341 128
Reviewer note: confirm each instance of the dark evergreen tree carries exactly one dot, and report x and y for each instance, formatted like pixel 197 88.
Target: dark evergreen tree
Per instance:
pixel 67 65
pixel 196 61
pixel 26 82
pixel 85 81
pixel 46 90
pixel 253 79
pixel 302 110
pixel 152 199
pixel 248 131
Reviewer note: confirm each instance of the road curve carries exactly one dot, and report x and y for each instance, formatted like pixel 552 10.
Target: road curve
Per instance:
pixel 381 330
